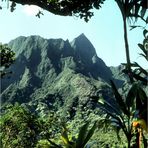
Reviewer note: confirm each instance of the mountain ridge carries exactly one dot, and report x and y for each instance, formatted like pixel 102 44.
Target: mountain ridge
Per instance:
pixel 80 57
pixel 55 72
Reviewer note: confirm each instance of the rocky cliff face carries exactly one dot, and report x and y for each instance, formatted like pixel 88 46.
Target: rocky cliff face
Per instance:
pixel 55 73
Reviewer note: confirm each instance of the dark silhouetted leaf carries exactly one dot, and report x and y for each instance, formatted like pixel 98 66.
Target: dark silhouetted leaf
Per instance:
pixel 145 32
pixel 82 135
pixel 143 11
pixel 131 96
pixel 144 56
pixel 119 99
pixel 142 48
pixel 111 114
pixel 89 134
pixel 54 145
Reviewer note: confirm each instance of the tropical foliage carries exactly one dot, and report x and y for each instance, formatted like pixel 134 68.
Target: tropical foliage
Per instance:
pixel 21 128
pixel 7 57
pixel 83 9
pixel 138 73
pixel 129 111
pixel 130 9
pixel 18 128
pixel 82 139
pixel 64 7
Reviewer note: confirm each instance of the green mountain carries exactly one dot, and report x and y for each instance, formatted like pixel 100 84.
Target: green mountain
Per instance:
pixel 56 74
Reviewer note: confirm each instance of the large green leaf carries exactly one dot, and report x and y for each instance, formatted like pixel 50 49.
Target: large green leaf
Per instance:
pixel 141 103
pixel 142 48
pixel 114 116
pixel 54 145
pixel 143 95
pixel 89 134
pixel 118 129
pixel 145 32
pixel 119 99
pixel 113 108
pixel 82 135
pixel 143 56
pixel 64 137
pixel 143 11
pixel 137 99
pixel 85 135
pixel 131 96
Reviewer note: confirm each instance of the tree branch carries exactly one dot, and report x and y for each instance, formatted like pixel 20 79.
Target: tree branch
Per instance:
pixel 49 6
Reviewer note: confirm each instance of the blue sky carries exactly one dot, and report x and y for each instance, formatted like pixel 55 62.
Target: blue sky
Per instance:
pixel 104 30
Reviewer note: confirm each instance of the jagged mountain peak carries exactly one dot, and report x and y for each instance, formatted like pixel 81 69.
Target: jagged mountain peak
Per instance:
pixel 82 38
pixel 82 35
pixel 83 47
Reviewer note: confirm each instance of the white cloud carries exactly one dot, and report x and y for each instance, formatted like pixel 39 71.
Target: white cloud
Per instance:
pixel 31 10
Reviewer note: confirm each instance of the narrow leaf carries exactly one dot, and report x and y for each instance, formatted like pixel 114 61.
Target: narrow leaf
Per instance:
pixel 137 77
pixel 131 96
pixel 143 11
pixel 121 123
pixel 142 48
pixel 89 134
pixel 143 95
pixel 144 56
pixel 54 145
pixel 137 7
pixel 64 136
pixel 133 27
pixel 138 102
pixel 117 128
pixel 82 135
pixel 119 99
pixel 113 115
pixel 111 107
pixel 141 69
pixel 145 32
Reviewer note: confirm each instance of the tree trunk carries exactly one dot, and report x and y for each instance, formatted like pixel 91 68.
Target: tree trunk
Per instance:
pixel 127 49
pixel 129 144
pixel 129 141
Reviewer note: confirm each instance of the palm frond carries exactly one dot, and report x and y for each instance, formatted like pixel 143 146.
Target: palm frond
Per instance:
pixel 113 115
pixel 133 9
pixel 112 107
